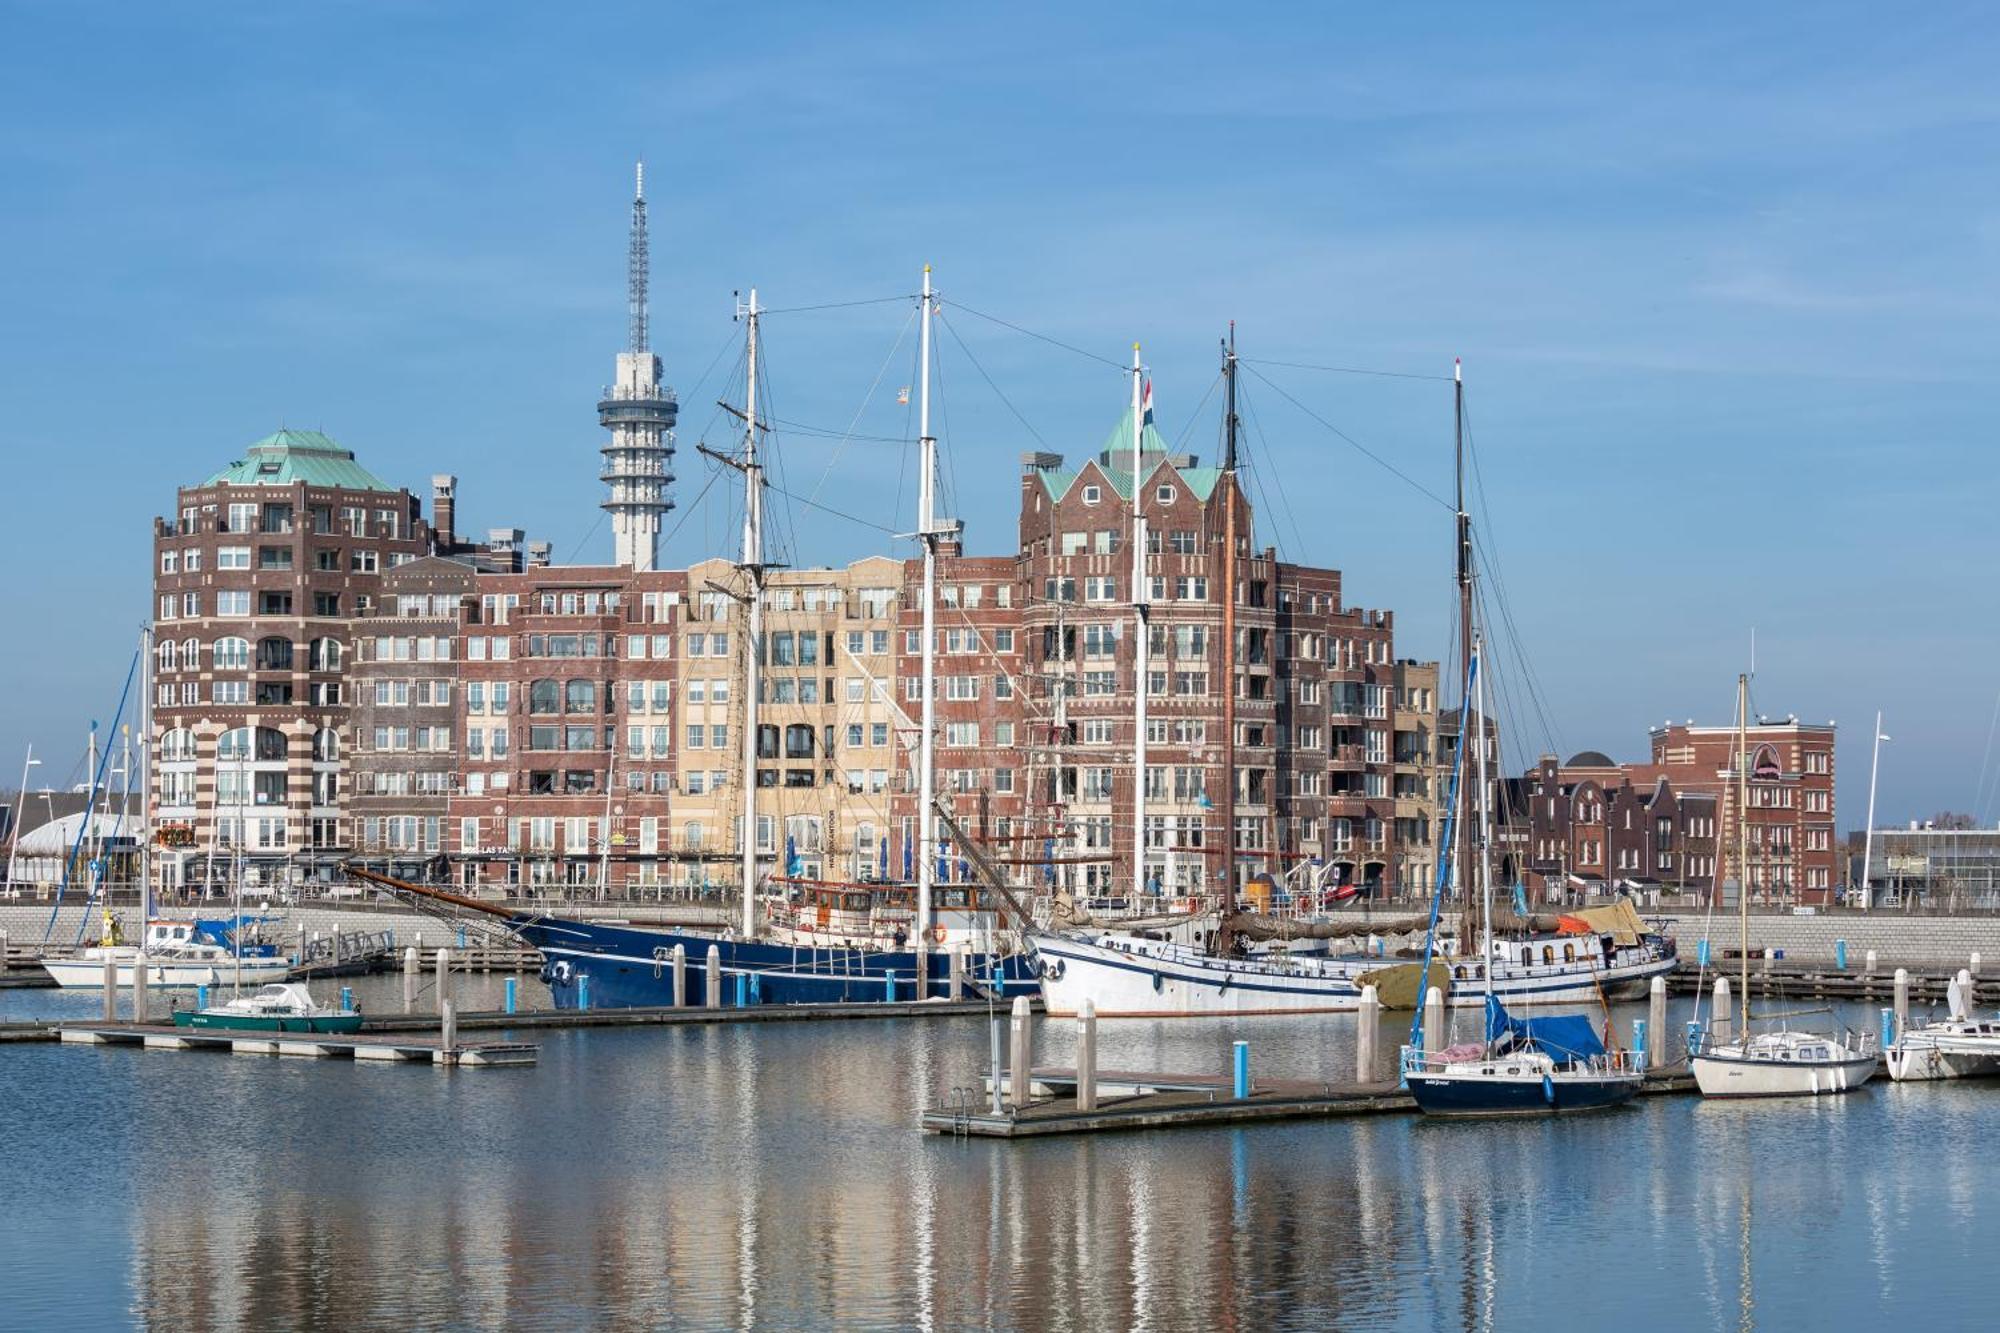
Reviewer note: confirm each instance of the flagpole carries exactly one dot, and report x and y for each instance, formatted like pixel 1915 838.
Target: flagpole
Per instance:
pixel 1141 649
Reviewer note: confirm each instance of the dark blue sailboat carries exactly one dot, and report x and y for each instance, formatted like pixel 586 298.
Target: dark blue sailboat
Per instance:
pixel 1526 1066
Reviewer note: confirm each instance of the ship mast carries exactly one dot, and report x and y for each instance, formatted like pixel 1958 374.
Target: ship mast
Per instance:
pixel 1228 489
pixel 752 565
pixel 1743 842
pixel 1141 648
pixel 1462 868
pixel 927 533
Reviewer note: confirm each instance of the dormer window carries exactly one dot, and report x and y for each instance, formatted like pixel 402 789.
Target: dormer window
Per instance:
pixel 1165 495
pixel 1092 494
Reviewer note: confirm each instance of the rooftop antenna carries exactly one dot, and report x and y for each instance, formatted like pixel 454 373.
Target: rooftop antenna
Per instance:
pixel 638 263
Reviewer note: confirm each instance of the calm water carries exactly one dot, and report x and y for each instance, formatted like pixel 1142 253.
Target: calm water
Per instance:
pixel 772 1177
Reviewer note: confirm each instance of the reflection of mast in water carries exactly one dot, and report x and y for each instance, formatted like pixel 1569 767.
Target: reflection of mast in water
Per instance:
pixel 1746 1299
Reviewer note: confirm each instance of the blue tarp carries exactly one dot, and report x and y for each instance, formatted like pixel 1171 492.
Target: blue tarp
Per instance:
pixel 1561 1037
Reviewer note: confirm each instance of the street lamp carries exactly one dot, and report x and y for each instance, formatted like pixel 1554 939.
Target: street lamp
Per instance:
pixel 1868 835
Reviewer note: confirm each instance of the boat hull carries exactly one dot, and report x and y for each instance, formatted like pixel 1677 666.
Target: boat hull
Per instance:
pixel 88 974
pixel 322 1023
pixel 1922 1057
pixel 1138 980
pixel 627 967
pixel 1736 1076
pixel 1556 1094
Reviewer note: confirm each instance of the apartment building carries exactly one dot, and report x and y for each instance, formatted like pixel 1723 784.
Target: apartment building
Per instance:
pixel 1792 858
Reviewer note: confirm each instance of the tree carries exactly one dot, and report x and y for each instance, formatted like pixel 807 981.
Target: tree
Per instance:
pixel 1953 821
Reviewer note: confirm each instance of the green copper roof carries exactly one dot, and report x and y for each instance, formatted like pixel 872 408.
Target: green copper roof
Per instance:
pixel 298 455
pixel 1114 460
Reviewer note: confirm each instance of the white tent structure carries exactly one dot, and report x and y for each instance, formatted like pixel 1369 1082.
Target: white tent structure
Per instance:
pixel 40 853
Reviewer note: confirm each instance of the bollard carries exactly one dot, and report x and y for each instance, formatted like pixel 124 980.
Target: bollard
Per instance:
pixel 1888 1029
pixel 110 989
pixel 410 980
pixel 1641 1052
pixel 714 995
pixel 743 990
pixel 411 962
pixel 1656 1022
pixel 347 999
pixel 3 953
pixel 1701 953
pixel 299 953
pixel 1433 1021
pixel 139 987
pixel 1902 1001
pixel 1974 969
pixel 447 1027
pixel 334 941
pixel 1022 1051
pixel 955 970
pixel 443 978
pixel 1769 954
pixel 583 992
pixel 1719 1017
pixel 680 966
pixel 1366 1033
pixel 1086 1057
pixel 889 986
pixel 1240 1071
pixel 201 997
pixel 996 1037
pixel 1958 996
pixel 513 998
pixel 1868 964
pixel 1840 955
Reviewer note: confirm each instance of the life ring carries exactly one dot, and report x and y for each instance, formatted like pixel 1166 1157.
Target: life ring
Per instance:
pixel 937 934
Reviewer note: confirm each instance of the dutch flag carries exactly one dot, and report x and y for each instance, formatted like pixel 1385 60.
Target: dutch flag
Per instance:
pixel 1146 404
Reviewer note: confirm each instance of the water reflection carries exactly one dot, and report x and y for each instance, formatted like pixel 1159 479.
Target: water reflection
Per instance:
pixel 771 1177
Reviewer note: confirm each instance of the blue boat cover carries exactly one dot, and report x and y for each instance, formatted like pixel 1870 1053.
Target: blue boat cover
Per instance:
pixel 1561 1037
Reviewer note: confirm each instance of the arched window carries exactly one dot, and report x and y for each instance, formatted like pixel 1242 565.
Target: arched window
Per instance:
pixel 233 744
pixel 270 743
pixel 231 654
pixel 177 744
pixel 545 696
pixel 1569 953
pixel 1548 955
pixel 325 655
pixel 191 654
pixel 580 696
pixel 167 655
pixel 767 741
pixel 274 654
pixel 326 745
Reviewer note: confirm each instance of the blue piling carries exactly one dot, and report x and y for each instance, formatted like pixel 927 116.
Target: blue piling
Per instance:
pixel 513 996
pixel 756 988
pixel 201 997
pixel 1701 953
pixel 583 990
pixel 347 999
pixel 889 986
pixel 1888 1028
pixel 1639 1035
pixel 1840 954
pixel 1242 1088
pixel 1694 1036
pixel 742 990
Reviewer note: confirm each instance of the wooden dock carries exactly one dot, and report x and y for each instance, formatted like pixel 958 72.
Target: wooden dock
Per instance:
pixel 1779 980
pixel 1129 1100
pixel 411 1049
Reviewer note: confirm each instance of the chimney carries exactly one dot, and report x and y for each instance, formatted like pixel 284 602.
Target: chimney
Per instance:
pixel 444 508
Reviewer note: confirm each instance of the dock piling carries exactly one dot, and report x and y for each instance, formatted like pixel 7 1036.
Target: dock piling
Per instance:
pixel 1974 969
pixel 1902 1001
pixel 1366 1034
pixel 1022 1052
pixel 110 989
pixel 1888 1029
pixel 443 978
pixel 139 996
pixel 1240 1068
pixel 347 999
pixel 1840 955
pixel 448 1027
pixel 1719 1016
pixel 333 942
pixel 956 971
pixel 680 965
pixel 1868 964
pixel 1642 1053
pixel 4 964
pixel 714 996
pixel 923 977
pixel 1656 1022
pixel 1086 1056
pixel 299 949
pixel 889 983
pixel 410 980
pixel 996 1037
pixel 513 998
pixel 201 997
pixel 743 989
pixel 583 992
pixel 1433 1021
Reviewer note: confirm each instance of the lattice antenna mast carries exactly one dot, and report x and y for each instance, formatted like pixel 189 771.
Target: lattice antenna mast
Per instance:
pixel 638 265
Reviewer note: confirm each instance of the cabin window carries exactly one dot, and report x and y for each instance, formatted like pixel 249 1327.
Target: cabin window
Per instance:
pixel 1569 953
pixel 1549 954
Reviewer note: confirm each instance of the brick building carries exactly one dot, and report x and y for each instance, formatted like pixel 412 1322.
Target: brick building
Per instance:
pixel 1792 856
pixel 1596 827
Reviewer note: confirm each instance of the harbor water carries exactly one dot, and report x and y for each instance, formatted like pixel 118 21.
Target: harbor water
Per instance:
pixel 771 1176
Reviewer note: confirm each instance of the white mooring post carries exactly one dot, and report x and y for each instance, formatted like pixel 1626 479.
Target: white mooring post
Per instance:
pixel 1367 1032
pixel 679 960
pixel 957 982
pixel 1021 1052
pixel 1433 1021
pixel 1974 969
pixel 410 970
pixel 996 1038
pixel 1868 964
pixel 110 989
pixel 923 977
pixel 139 996
pixel 447 1027
pixel 713 998
pixel 334 939
pixel 4 963
pixel 1902 1002
pixel 1656 1023
pixel 1719 1015
pixel 299 949
pixel 1086 1057
pixel 443 978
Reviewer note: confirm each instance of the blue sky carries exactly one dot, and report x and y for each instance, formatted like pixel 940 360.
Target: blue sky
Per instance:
pixel 1724 285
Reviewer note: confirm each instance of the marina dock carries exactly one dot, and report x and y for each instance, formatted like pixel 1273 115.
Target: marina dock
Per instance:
pixel 421 1049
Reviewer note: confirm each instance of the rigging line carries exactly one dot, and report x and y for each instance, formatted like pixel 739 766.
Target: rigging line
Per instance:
pixel 835 305
pixel 948 483
pixel 1025 423
pixel 866 399
pixel 828 509
pixel 1983 796
pixel 1342 370
pixel 1195 415
pixel 1264 452
pixel 1053 342
pixel 1412 482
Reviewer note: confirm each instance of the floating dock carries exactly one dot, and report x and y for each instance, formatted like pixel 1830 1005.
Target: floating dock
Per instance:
pixel 408 1050
pixel 1128 1100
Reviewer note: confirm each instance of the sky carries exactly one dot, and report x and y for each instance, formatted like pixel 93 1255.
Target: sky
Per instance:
pixel 1723 283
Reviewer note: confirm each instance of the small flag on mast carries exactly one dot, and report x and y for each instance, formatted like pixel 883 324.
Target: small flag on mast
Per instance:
pixel 1146 416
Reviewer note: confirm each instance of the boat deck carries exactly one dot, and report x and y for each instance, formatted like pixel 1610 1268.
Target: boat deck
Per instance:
pixel 409 1049
pixel 1128 1100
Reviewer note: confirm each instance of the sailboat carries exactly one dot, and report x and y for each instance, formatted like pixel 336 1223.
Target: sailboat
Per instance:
pixel 1779 1062
pixel 625 966
pixel 1536 1066
pixel 1606 953
pixel 1956 1046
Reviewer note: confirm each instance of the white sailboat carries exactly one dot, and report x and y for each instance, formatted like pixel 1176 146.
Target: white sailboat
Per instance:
pixel 1778 1062
pixel 1956 1046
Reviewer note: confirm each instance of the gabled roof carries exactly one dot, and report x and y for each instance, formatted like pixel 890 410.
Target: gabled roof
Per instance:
pixel 1114 460
pixel 290 456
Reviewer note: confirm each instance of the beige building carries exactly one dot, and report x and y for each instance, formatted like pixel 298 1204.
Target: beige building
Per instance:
pixel 1415 777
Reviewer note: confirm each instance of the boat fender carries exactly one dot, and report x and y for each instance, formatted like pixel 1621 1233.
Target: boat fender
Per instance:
pixel 1548 1090
pixel 1159 983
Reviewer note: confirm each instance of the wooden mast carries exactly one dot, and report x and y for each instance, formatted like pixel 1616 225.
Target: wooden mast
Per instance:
pixel 1227 487
pixel 1464 875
